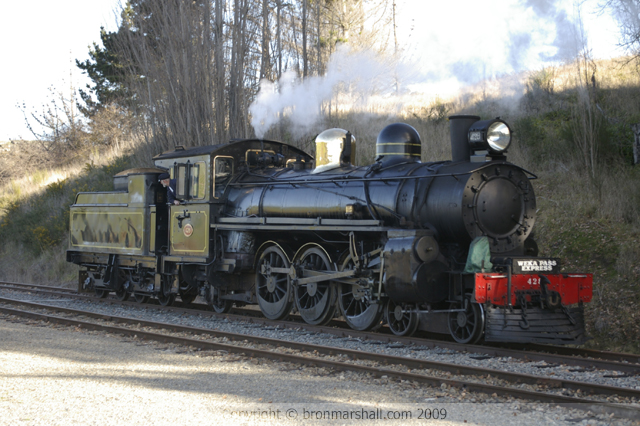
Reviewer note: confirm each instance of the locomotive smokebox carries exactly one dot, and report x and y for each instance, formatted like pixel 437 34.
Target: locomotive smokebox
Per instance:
pixel 459 128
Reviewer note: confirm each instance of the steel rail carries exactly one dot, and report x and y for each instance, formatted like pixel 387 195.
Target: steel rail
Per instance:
pixel 591 353
pixel 620 410
pixel 8 284
pixel 353 354
pixel 578 357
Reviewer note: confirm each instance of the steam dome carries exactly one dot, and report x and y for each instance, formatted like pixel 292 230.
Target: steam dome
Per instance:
pixel 334 148
pixel 398 141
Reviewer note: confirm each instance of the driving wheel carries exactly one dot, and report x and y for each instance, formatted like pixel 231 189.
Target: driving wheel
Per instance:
pixel 273 289
pixel 316 301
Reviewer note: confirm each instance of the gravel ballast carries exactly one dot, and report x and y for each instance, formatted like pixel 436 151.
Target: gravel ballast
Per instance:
pixel 536 368
pixel 57 375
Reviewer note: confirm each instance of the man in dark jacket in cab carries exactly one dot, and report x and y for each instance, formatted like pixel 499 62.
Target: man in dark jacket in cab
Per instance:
pixel 170 184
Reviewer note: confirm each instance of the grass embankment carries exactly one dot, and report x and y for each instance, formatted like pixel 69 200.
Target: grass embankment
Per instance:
pixel 576 227
pixel 34 214
pixel 588 193
pixel 575 133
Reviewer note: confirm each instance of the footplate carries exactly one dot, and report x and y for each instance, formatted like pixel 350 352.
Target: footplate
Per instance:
pixel 535 325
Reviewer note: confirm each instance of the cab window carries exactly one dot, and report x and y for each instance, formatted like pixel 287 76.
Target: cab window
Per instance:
pixel 198 181
pixel 181 181
pixel 191 181
pixel 222 172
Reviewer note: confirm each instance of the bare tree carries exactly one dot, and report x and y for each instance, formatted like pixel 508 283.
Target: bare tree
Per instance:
pixel 265 63
pixel 627 13
pixel 168 48
pixel 305 57
pixel 193 68
pixel 59 126
pixel 586 119
pixel 219 72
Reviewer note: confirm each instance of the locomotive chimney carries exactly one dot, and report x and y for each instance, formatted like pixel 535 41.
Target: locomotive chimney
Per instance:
pixel 459 128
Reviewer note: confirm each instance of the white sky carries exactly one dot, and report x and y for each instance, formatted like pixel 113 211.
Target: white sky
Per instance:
pixel 456 42
pixel 40 40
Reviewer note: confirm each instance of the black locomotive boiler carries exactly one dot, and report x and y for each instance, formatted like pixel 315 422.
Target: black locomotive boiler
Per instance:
pixel 444 246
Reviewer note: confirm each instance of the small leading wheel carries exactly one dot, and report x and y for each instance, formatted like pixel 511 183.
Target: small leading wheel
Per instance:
pixel 359 311
pixel 401 317
pixel 466 325
pixel 101 293
pixel 273 289
pixel 221 306
pixel 316 301
pixel 140 298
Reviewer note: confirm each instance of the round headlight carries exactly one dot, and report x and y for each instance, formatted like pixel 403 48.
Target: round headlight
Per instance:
pixel 498 136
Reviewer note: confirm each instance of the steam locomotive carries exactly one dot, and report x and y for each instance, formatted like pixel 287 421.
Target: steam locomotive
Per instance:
pixel 441 246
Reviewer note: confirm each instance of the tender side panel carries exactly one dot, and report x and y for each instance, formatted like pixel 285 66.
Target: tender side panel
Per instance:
pixel 118 230
pixel 493 288
pixel 102 198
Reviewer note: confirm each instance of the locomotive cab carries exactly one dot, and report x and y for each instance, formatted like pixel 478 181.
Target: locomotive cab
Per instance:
pixel 198 256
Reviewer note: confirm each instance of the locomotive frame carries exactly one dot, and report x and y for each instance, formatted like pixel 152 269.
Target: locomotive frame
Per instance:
pixel 443 247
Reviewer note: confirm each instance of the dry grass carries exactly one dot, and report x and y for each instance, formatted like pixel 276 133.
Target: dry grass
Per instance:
pixel 49 268
pixel 594 227
pixel 34 206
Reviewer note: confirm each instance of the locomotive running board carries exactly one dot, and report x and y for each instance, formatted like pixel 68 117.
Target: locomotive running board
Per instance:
pixel 296 224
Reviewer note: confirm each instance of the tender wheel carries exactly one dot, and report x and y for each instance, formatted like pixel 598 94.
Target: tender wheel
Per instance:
pixel 165 297
pixel 220 306
pixel 140 298
pixel 316 302
pixel 102 293
pixel 188 297
pixel 122 294
pixel 356 305
pixel 466 326
pixel 273 289
pixel 401 317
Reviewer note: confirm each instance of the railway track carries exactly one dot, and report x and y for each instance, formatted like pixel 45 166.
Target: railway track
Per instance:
pixel 571 356
pixel 440 374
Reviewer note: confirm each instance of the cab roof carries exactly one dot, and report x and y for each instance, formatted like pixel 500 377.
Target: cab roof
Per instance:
pixel 237 149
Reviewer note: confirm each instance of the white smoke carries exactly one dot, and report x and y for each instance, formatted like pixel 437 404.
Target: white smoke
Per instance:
pixel 351 80
pixel 449 49
pixel 469 42
pixel 566 38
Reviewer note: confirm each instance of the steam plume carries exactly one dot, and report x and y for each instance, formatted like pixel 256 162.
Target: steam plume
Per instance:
pixel 352 78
